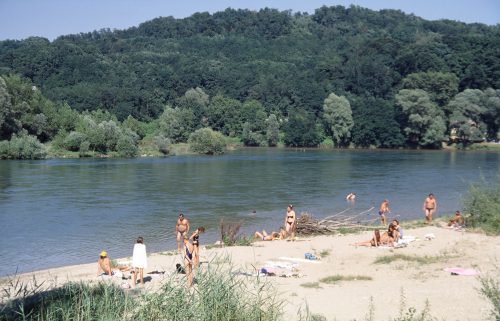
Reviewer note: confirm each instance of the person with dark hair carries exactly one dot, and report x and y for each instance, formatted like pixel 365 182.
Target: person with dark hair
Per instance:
pixel 195 237
pixel 457 221
pixel 281 235
pixel 430 206
pixel 188 260
pixel 181 230
pixel 139 259
pixel 290 221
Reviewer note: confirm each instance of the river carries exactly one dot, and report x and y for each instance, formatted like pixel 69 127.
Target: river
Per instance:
pixel 65 211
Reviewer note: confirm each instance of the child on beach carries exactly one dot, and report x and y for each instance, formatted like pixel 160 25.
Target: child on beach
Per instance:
pixel 139 260
pixel 195 237
pixel 188 260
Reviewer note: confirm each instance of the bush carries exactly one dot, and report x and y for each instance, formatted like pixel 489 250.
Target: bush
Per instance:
pixel 207 141
pixel 84 149
pixel 74 140
pixel 126 146
pixel 162 143
pixel 482 205
pixel 22 146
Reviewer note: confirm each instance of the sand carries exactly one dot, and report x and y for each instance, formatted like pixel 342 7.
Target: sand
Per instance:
pixel 451 297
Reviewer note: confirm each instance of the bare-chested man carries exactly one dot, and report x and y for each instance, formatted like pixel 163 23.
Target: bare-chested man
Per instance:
pixel 181 229
pixel 290 221
pixel 430 206
pixel 384 209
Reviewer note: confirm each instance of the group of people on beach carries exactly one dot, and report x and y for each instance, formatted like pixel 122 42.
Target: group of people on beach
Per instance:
pixel 288 229
pixel 388 238
pixel 190 252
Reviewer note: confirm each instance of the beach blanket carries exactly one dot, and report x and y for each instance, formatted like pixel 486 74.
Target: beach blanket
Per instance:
pixel 461 271
pixel 294 259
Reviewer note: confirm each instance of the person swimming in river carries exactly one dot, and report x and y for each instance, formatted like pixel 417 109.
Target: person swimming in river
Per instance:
pixel 351 197
pixel 181 230
pixel 290 221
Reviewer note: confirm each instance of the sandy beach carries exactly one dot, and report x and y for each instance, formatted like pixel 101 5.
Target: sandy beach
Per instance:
pixel 418 273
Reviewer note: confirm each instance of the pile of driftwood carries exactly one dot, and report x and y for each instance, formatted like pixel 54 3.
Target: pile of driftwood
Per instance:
pixel 307 225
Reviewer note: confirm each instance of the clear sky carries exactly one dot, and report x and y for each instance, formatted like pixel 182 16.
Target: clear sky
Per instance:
pixel 20 19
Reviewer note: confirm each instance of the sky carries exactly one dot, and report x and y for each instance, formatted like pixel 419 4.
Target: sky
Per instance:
pixel 20 19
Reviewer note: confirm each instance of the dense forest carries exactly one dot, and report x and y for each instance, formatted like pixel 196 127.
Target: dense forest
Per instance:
pixel 339 77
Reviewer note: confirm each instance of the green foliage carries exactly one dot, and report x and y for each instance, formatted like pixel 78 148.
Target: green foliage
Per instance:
pixel 490 289
pixel 177 124
pixel 207 141
pixel 301 130
pixel 224 115
pixel 162 143
pixel 440 86
pixel 74 140
pixel 22 146
pixel 337 115
pixel 272 130
pixel 482 206
pixel 126 146
pixel 425 125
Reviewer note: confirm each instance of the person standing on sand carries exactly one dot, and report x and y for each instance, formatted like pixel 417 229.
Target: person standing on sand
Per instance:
pixel 384 209
pixel 290 221
pixel 188 260
pixel 430 206
pixel 139 260
pixel 195 237
pixel 181 230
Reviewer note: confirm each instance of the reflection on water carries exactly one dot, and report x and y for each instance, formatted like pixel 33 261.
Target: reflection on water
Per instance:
pixel 58 212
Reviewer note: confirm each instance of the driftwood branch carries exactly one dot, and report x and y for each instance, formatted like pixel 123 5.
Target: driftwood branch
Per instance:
pixel 307 225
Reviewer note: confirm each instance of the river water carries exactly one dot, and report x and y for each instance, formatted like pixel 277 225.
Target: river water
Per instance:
pixel 61 212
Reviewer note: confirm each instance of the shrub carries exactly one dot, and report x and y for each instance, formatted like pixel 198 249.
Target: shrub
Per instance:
pixel 482 206
pixel 84 149
pixel 126 146
pixel 207 141
pixel 22 146
pixel 74 140
pixel 490 289
pixel 162 143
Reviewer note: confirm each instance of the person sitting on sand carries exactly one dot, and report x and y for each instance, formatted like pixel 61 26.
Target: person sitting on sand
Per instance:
pixel 188 260
pixel 281 235
pixel 457 221
pixel 398 231
pixel 195 237
pixel 139 260
pixel 104 266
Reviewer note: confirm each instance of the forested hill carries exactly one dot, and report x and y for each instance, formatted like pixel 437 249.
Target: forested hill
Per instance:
pixel 288 62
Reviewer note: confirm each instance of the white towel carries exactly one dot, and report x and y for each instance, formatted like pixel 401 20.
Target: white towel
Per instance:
pixel 139 257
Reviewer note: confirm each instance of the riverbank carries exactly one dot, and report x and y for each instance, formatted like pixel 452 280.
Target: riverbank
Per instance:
pixel 378 275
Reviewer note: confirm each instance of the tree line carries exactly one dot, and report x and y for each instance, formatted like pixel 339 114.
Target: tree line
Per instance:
pixel 339 77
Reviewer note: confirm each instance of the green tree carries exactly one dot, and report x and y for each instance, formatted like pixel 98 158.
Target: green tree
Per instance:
pixel 302 130
pixel 337 115
pixel 467 112
pixel 440 86
pixel 177 124
pixel 207 141
pixel 425 126
pixel 272 130
pixel 224 115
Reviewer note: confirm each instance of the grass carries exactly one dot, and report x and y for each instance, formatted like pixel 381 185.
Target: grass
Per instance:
pixel 388 259
pixel 218 294
pixel 490 289
pixel 311 285
pixel 339 278
pixel 482 206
